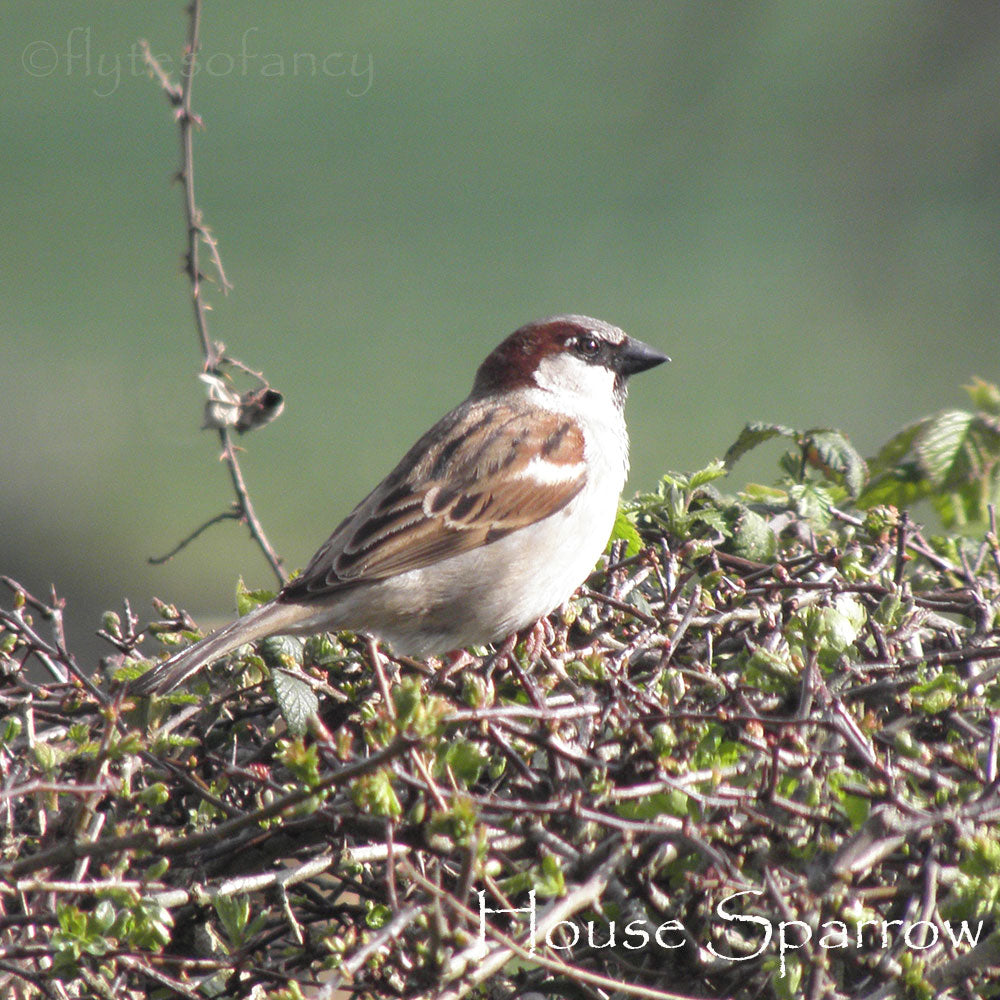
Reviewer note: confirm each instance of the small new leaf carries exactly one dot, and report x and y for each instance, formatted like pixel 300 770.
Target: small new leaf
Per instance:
pixel 937 695
pixel 985 396
pixel 374 794
pixel 626 531
pixel 247 600
pixel 714 470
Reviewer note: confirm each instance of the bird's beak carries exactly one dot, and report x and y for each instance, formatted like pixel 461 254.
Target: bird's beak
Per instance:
pixel 635 356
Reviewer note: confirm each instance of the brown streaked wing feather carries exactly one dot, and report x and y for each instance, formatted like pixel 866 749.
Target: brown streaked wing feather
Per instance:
pixel 448 498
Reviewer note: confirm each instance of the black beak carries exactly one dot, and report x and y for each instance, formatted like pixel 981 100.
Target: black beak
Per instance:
pixel 635 356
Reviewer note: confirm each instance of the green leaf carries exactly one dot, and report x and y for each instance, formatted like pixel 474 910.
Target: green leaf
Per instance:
pixel 323 651
pixel 893 480
pixel 857 809
pixel 374 793
pixel 10 728
pixel 103 916
pixel 714 750
pixel 771 496
pixel 713 519
pixel 675 802
pixel 550 881
pixel 770 670
pixel 714 470
pixel 234 915
pixel 626 531
pixel 751 436
pixel 985 396
pixel 150 925
pixel 8 643
pixel 417 712
pixel 940 445
pixel 301 760
pixel 788 978
pixel 157 794
pixel 455 826
pixel 843 621
pixel 406 699
pixel 296 700
pixel 752 535
pixel 827 631
pixel 466 761
pixel 664 739
pixel 247 600
pixel 131 669
pixel 377 915
pixel 982 857
pixel 899 487
pixel 951 458
pixel 280 651
pixel 813 502
pixel 896 448
pixel 837 458
pixel 937 695
pixel 47 756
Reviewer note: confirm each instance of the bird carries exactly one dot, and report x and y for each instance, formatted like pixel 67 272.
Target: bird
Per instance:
pixel 488 523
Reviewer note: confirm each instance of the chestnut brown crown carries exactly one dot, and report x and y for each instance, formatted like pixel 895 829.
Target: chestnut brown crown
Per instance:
pixel 516 361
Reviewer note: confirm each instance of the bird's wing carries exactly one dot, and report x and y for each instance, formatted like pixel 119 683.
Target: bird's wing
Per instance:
pixel 481 473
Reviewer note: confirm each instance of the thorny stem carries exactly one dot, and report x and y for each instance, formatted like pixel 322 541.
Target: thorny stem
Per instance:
pixel 180 97
pixel 226 515
pixel 583 896
pixel 152 839
pixel 407 833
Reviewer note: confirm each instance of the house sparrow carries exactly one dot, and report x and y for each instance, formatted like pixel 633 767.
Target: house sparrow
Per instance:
pixel 492 519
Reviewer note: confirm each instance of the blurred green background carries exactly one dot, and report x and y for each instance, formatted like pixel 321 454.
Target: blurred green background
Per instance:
pixel 798 202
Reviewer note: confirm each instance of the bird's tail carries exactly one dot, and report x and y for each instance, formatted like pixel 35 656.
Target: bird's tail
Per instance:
pixel 268 619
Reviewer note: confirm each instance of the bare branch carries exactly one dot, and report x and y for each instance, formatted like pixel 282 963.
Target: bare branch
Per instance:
pixel 229 515
pixel 198 235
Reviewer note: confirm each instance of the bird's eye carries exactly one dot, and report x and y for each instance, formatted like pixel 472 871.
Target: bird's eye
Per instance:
pixel 586 346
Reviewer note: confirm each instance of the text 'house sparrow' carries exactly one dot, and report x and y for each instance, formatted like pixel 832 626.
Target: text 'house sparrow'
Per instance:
pixel 492 519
